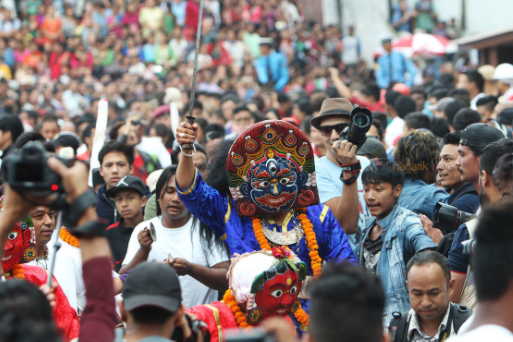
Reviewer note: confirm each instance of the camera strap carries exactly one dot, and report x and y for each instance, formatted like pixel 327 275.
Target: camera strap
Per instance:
pixel 353 169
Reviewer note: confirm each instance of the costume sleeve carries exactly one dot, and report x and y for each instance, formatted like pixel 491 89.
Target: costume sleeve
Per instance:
pixel 416 238
pixel 206 203
pixel 205 314
pixel 335 243
pixel 99 318
pixel 459 262
pixel 65 316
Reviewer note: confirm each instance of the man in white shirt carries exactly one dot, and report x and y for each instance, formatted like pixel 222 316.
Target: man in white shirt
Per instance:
pixel 473 82
pixel 493 275
pixel 352 49
pixel 192 249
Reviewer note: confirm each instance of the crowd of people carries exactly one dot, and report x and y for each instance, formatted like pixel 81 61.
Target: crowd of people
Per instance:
pixel 262 211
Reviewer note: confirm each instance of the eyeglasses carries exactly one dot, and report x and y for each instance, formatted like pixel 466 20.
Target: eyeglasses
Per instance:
pixel 326 130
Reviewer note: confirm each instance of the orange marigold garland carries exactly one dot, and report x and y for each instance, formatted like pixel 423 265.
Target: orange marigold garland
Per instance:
pixel 17 272
pixel 240 317
pixel 68 238
pixel 302 317
pixel 311 240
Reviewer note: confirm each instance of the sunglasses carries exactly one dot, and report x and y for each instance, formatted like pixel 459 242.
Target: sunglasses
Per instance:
pixel 326 130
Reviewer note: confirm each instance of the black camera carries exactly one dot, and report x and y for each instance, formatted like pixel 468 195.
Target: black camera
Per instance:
pixel 449 218
pixel 27 171
pixel 359 124
pixel 468 247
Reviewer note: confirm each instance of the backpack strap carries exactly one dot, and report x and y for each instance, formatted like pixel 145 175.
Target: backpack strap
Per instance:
pixel 398 326
pixel 467 190
pixel 461 314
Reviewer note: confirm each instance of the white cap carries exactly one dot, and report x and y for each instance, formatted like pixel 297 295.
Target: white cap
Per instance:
pixel 503 72
pixel 266 41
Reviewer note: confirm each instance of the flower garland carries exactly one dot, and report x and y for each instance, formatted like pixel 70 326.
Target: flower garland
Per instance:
pixel 16 272
pixel 311 240
pixel 68 238
pixel 302 317
pixel 240 317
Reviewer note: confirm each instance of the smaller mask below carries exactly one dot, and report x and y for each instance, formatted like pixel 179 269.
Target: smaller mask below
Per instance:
pixel 20 246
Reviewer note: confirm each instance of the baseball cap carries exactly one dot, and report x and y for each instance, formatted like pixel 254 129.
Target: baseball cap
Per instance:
pixel 127 182
pixel 479 135
pixel 152 284
pixel 373 148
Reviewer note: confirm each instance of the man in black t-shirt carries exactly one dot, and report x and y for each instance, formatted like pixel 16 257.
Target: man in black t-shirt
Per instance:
pixel 130 199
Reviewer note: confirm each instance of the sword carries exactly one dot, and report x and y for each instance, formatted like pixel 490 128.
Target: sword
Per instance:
pixel 57 245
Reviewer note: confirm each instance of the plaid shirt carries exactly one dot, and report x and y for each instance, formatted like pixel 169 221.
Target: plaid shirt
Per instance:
pixel 416 334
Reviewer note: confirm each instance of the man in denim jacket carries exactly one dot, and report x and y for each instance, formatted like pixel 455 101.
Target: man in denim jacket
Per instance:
pixel 392 235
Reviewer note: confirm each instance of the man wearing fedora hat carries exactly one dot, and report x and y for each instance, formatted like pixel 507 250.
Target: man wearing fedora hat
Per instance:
pixel 337 187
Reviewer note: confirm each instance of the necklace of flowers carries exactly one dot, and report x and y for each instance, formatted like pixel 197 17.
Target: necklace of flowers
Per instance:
pixel 16 272
pixel 240 317
pixel 68 238
pixel 311 240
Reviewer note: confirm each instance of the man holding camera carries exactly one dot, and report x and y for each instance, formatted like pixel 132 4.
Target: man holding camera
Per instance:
pixel 333 191
pixel 486 145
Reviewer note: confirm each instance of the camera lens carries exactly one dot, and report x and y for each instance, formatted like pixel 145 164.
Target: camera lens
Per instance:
pixel 361 120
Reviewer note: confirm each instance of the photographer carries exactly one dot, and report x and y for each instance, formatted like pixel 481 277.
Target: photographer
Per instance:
pixel 333 192
pixel 99 318
pixel 493 274
pixel 464 292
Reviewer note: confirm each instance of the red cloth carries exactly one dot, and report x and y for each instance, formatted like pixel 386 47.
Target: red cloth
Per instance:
pixel 224 57
pixel 205 314
pixel 192 16
pixel 140 169
pixel 373 107
pixel 64 315
pixel 99 318
pixel 84 156
pixel 77 63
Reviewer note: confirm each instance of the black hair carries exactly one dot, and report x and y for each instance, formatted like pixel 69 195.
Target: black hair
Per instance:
pixel 476 77
pixel 163 131
pixel 452 138
pixel 489 101
pixel 506 117
pixel 67 140
pixel 29 136
pixel 11 123
pixel 404 105
pixel 209 239
pixel 418 90
pixel 25 314
pixel 416 153
pixel 151 315
pixel 346 290
pixel 304 105
pixel 430 257
pixel 383 171
pixel 282 97
pixel 50 118
pixel 87 132
pixel 230 97
pixel 417 120
pixel 465 117
pixel 117 146
pixel 439 127
pixel 391 96
pixel 439 93
pixel 491 154
pixel 503 171
pixel 379 126
pixel 317 99
pixel 195 105
pixel 213 131
pixel 461 94
pixel 492 258
pixel 241 109
pixel 452 108
pixel 217 168
pixel 382 117
pixel 372 89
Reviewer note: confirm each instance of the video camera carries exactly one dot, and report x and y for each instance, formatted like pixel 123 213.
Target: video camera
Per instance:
pixel 468 247
pixel 360 122
pixel 449 218
pixel 27 170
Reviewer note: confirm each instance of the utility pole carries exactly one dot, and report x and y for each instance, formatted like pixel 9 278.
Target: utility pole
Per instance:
pixel 463 14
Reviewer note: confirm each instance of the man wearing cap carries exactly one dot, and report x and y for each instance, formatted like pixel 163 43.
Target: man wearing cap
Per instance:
pixel 129 194
pixel 393 66
pixel 372 148
pixel 152 303
pixel 476 154
pixel 333 118
pixel 272 67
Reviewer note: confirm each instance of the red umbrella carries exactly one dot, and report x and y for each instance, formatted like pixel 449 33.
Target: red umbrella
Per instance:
pixel 421 44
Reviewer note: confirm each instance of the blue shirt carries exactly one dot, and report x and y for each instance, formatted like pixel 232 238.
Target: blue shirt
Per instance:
pixel 274 65
pixel 404 237
pixel 8 56
pixel 330 187
pixel 396 64
pixel 468 202
pixel 218 212
pixel 148 52
pixel 396 16
pixel 458 261
pixel 179 12
pixel 421 198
